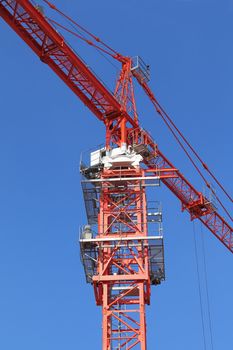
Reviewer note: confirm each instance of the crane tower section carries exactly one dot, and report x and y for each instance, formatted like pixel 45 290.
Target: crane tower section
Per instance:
pixel 122 244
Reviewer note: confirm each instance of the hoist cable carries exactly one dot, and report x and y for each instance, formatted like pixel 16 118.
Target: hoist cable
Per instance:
pixel 207 288
pixel 199 287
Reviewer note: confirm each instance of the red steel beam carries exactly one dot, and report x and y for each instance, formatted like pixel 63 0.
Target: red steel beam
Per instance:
pixel 52 49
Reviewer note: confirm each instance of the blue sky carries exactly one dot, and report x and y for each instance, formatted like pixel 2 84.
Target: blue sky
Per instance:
pixel 45 303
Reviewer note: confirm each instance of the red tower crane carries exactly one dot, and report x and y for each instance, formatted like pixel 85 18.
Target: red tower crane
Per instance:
pixel 124 257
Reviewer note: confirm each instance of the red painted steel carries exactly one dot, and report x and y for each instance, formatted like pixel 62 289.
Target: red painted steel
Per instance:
pixel 122 279
pixel 50 46
pixel 52 49
pixel 122 282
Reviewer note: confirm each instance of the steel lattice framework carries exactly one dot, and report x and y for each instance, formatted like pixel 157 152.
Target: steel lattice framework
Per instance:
pixel 121 283
pixel 52 49
pixel 122 260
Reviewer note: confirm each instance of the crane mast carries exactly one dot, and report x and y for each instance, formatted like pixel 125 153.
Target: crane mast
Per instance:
pixel 122 258
pixel 122 243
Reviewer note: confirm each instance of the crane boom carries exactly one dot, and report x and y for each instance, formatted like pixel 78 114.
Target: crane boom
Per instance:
pixel 32 26
pixel 197 204
pixel 51 48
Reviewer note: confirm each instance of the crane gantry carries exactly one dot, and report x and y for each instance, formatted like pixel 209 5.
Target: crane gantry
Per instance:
pixel 125 255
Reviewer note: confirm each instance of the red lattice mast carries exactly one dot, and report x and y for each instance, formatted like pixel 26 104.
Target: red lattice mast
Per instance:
pixel 122 253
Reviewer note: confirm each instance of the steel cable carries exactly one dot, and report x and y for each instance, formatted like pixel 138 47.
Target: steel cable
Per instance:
pixel 207 288
pixel 199 287
pixel 164 115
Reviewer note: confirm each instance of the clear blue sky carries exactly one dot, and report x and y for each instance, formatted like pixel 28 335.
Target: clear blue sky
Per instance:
pixel 44 301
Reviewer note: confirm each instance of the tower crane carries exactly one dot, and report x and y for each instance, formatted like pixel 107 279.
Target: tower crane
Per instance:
pixel 122 243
